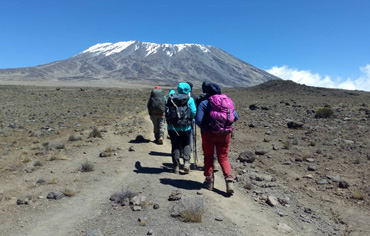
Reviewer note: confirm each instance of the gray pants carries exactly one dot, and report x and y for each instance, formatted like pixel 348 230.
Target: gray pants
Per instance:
pixel 159 126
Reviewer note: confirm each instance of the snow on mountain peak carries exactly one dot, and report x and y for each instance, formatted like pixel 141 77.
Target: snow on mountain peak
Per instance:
pixel 108 48
pixel 170 49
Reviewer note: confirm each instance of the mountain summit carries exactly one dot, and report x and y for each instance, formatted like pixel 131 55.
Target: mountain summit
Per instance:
pixel 146 63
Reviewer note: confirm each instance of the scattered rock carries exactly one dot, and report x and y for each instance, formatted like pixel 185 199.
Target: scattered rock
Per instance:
pixel 175 195
pixel 55 195
pixel 310 160
pixel 298 159
pixel 334 178
pixel 59 145
pixel 343 184
pixel 131 149
pixel 95 232
pixel 156 206
pixel 136 208
pixel 272 201
pixel 311 168
pixel 295 125
pixel 40 181
pixel 150 232
pixel 247 156
pixel 261 152
pixel 219 218
pixel 22 201
pixel 323 182
pixel 103 154
pixel 284 228
pixel 308 210
pixel 308 176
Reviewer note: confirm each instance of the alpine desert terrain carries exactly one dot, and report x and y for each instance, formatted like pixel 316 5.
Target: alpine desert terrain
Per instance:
pixel 82 161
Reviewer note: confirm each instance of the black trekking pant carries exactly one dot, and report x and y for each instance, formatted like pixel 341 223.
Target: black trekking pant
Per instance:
pixel 180 142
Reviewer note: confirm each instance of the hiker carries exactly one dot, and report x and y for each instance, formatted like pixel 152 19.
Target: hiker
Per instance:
pixel 216 134
pixel 203 96
pixel 180 110
pixel 156 108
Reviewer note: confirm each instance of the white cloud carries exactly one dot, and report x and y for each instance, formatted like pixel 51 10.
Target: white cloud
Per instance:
pixel 314 79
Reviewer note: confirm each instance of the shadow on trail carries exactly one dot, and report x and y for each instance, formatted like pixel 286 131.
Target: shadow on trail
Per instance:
pixel 149 170
pixel 181 183
pixel 139 139
pixel 162 154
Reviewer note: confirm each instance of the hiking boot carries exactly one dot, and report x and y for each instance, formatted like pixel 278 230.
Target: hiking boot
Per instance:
pixel 186 167
pixel 208 183
pixel 160 141
pixel 176 170
pixel 230 187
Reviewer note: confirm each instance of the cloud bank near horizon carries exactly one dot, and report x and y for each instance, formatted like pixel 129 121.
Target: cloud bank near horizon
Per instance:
pixel 314 79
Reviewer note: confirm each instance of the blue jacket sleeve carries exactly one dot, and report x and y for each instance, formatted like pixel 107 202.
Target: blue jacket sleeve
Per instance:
pixel 193 108
pixel 200 112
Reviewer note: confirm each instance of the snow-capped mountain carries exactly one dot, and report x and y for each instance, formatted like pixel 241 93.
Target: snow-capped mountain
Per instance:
pixel 147 63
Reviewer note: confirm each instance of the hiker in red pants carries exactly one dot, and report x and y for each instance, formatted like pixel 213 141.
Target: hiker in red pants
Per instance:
pixel 215 117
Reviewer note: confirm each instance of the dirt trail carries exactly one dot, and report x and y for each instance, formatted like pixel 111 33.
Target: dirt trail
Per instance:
pixel 146 170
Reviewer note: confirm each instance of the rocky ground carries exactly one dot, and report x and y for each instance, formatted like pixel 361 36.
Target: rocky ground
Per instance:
pixel 70 155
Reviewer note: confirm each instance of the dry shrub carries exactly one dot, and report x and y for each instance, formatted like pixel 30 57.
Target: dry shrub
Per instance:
pixel 37 163
pixel 357 195
pixel 74 137
pixel 69 192
pixel 192 209
pixel 324 112
pixel 87 166
pixel 26 159
pixel 53 181
pixel 95 133
pixel 120 196
pixel 53 158
pixel 287 144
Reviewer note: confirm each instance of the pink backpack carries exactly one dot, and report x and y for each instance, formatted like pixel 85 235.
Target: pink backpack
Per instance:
pixel 222 113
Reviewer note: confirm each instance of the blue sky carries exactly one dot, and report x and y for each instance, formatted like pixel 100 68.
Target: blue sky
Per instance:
pixel 316 42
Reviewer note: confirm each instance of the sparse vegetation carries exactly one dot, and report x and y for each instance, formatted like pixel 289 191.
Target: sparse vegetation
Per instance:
pixel 87 166
pixel 95 133
pixel 69 192
pixel 324 112
pixel 37 163
pixel 191 209
pixel 122 196
pixel 26 159
pixel 287 144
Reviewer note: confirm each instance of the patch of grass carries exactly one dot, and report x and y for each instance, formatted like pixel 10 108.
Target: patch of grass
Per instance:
pixel 324 112
pixel 191 209
pixel 74 137
pixel 87 166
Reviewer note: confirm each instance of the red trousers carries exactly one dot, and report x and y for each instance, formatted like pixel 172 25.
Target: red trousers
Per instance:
pixel 221 142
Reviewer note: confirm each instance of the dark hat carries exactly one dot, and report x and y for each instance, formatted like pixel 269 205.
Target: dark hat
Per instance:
pixel 190 84
pixel 213 89
pixel 204 85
